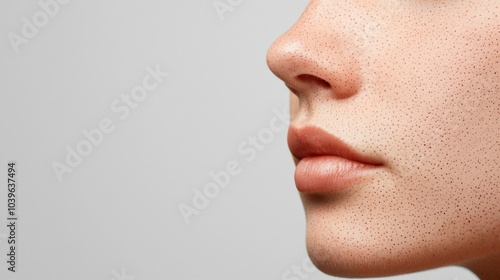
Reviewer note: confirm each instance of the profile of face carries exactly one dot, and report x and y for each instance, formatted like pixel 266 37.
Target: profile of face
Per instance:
pixel 395 131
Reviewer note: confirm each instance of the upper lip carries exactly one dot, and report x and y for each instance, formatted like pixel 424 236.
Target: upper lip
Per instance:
pixel 310 141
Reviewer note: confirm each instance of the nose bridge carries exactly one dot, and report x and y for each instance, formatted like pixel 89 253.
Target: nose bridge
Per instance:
pixel 317 55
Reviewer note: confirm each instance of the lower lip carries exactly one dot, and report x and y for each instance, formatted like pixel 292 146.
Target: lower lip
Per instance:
pixel 321 174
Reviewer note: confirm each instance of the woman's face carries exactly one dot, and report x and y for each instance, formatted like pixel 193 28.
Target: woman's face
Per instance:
pixel 412 88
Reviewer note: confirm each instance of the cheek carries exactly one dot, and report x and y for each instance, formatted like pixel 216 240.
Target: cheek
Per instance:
pixel 437 90
pixel 441 94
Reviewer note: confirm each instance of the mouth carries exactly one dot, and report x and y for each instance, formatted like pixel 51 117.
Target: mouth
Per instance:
pixel 325 163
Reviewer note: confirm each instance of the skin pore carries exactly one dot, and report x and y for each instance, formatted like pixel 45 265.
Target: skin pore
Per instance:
pixel 416 85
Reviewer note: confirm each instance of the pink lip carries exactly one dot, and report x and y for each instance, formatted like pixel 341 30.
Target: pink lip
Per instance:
pixel 324 162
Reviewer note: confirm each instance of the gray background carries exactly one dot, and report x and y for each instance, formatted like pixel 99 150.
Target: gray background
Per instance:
pixel 116 215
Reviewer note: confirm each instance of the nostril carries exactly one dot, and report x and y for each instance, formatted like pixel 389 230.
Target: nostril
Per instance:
pixel 313 80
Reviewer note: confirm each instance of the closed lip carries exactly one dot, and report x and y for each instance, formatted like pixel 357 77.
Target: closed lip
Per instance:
pixel 324 162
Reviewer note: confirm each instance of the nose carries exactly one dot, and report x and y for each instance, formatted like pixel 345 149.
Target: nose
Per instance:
pixel 316 55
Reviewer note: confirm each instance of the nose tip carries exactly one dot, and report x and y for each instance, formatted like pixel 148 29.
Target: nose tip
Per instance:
pixel 311 58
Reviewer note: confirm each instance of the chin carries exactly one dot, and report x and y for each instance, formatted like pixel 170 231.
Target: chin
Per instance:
pixel 358 253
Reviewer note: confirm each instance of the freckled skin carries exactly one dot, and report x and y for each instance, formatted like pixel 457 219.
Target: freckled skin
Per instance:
pixel 416 84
